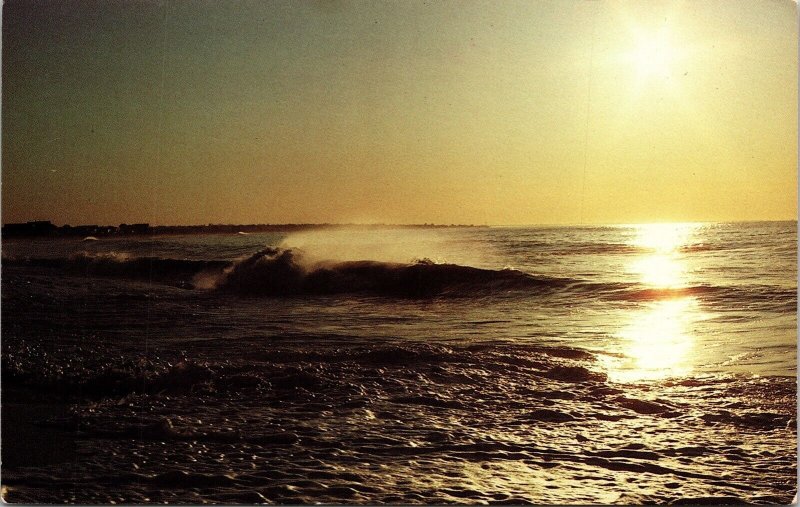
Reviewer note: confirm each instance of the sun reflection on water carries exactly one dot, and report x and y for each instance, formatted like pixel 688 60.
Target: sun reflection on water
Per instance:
pixel 664 238
pixel 657 342
pixel 660 271
pixel 657 339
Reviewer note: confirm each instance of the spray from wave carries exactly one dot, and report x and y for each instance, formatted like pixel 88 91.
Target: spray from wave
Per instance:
pixel 391 245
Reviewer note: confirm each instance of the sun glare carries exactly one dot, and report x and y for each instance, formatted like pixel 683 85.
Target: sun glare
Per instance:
pixel 663 238
pixel 657 340
pixel 660 271
pixel 660 266
pixel 652 57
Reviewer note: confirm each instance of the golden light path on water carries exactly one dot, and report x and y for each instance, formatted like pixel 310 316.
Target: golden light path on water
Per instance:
pixel 657 341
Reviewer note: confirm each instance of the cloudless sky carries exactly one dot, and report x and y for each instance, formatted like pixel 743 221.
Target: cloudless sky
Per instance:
pixel 512 112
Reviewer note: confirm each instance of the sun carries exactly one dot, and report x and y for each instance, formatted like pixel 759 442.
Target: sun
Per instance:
pixel 653 57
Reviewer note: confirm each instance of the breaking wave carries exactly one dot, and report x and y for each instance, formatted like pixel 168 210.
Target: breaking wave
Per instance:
pixel 275 271
pixel 278 272
pixel 286 272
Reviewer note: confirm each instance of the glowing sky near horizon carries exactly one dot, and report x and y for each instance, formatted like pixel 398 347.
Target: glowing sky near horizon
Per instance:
pixel 199 112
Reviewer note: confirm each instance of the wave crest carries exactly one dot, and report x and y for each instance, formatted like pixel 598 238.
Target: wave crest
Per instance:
pixel 275 271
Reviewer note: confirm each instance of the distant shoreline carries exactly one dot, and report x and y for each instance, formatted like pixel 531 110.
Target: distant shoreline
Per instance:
pixel 48 229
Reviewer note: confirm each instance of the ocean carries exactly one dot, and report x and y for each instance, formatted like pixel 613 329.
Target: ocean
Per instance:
pixel 587 364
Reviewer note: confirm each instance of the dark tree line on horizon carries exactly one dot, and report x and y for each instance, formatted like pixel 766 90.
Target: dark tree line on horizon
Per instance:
pixel 45 228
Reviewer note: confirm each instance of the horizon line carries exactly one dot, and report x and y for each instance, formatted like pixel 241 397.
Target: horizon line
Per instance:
pixel 418 224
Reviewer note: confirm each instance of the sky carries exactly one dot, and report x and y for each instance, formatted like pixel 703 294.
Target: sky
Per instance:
pixel 469 112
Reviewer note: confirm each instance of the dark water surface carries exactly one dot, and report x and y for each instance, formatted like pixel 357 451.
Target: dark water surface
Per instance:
pixel 626 364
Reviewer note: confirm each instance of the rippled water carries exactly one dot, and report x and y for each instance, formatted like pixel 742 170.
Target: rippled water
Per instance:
pixel 625 364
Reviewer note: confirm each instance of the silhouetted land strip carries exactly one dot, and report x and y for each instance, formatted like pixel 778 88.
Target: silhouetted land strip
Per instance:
pixel 45 228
